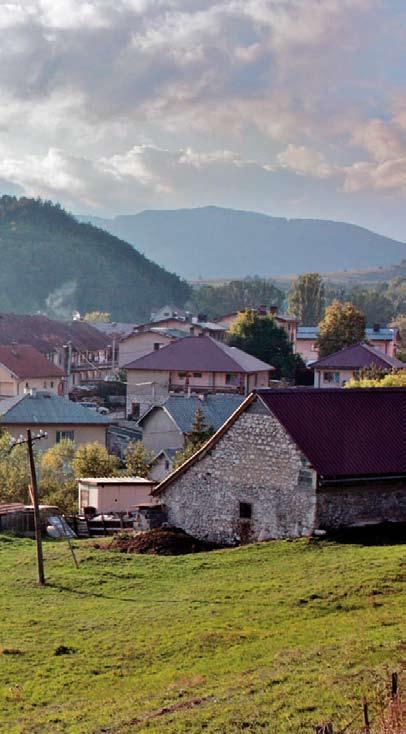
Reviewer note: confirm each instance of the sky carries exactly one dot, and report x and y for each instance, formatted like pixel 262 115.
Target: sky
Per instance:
pixel 295 108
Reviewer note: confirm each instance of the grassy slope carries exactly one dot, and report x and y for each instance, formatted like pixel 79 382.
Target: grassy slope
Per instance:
pixel 278 637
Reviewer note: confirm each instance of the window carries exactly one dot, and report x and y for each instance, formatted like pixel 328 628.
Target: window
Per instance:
pixel 167 464
pixel 44 384
pixel 65 435
pixel 27 385
pixel 245 510
pixel 331 377
pixel 135 411
pixel 51 383
pixel 181 375
pixel 197 374
pixel 157 346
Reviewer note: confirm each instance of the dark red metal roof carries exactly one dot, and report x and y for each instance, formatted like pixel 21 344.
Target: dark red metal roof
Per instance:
pixel 26 361
pixel 47 334
pixel 358 357
pixel 345 432
pixel 200 354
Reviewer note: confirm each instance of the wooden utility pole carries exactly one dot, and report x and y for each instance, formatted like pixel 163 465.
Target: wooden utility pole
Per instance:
pixel 37 518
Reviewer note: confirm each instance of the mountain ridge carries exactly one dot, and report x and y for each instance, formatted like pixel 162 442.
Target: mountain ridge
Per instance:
pixel 215 242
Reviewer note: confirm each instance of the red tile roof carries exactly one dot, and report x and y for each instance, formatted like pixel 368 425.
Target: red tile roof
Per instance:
pixel 358 357
pixel 199 354
pixel 24 361
pixel 345 432
pixel 46 334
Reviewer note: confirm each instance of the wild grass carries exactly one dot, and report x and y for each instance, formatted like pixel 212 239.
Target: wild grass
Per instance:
pixel 273 638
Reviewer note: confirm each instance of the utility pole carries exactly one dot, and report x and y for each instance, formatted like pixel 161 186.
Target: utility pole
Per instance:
pixel 34 496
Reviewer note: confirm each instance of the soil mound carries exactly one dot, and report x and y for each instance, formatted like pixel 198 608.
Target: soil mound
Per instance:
pixel 160 541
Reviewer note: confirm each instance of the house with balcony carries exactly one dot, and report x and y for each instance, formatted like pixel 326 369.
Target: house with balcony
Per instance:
pixel 194 364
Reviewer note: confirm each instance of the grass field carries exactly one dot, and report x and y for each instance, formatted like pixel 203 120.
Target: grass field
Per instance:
pixel 271 638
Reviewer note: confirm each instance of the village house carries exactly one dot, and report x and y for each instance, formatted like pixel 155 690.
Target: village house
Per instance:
pixel 58 417
pixel 337 369
pixel 197 364
pixel 165 427
pixel 82 352
pixel 387 340
pixel 138 343
pixel 22 368
pixel 190 325
pixel 291 461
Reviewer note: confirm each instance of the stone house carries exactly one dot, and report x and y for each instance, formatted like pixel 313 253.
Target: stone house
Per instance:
pixel 337 369
pixel 197 364
pixel 23 368
pixel 290 461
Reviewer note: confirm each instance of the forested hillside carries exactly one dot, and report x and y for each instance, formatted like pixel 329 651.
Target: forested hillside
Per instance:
pixel 52 263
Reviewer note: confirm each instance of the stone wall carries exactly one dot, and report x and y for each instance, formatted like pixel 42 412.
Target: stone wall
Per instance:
pixel 343 505
pixel 255 462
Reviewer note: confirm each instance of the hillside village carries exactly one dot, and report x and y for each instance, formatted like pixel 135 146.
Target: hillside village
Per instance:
pixel 175 391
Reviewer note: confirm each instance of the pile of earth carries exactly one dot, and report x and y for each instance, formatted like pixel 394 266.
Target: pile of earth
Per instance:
pixel 165 541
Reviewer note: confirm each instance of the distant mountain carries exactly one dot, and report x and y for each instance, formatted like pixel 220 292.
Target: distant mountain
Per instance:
pixel 212 243
pixel 53 264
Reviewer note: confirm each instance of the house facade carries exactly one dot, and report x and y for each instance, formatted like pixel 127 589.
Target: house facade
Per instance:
pixel 387 340
pixel 193 364
pixel 337 369
pixel 23 368
pixel 58 417
pixel 114 494
pixel 140 343
pixel 288 462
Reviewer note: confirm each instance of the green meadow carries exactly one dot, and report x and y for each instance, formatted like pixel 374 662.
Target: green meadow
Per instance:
pixel 275 637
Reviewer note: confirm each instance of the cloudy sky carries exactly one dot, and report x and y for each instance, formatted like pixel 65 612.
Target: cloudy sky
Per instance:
pixel 295 108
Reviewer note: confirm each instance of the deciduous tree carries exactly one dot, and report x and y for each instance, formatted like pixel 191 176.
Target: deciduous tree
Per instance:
pixel 307 298
pixel 137 459
pixel 93 460
pixel 260 336
pixel 342 325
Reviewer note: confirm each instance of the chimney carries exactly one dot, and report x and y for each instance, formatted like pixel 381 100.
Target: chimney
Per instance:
pixel 377 327
pixel 273 310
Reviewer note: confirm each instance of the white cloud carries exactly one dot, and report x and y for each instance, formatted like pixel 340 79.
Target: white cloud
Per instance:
pixel 303 160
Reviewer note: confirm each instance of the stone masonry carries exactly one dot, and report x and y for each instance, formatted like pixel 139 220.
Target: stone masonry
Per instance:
pixel 256 463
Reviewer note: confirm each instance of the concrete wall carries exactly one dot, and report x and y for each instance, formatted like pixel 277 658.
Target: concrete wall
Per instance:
pixel 160 432
pixel 82 434
pixel 138 345
pixel 255 462
pixel 363 503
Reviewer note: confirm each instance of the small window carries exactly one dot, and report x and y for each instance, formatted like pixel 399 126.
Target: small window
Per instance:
pixel 65 435
pixel 44 384
pixel 181 375
pixel 245 510
pixel 157 345
pixel 27 385
pixel 166 464
pixel 197 374
pixel 135 411
pixel 51 383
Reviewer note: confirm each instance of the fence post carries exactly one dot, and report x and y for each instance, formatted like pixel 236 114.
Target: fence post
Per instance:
pixel 394 686
pixel 366 716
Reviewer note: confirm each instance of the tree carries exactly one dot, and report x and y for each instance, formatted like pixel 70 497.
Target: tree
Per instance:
pixel 57 480
pixel 137 459
pixel 236 295
pixel 260 336
pixel 93 460
pixel 200 431
pixel 375 305
pixel 307 298
pixel 14 472
pixel 97 317
pixel 342 325
pixel 397 378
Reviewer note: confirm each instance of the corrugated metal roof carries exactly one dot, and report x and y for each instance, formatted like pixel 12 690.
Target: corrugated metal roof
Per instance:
pixel 116 480
pixel 358 357
pixel 345 432
pixel 46 334
pixel 383 334
pixel 200 354
pixel 215 408
pixel 44 408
